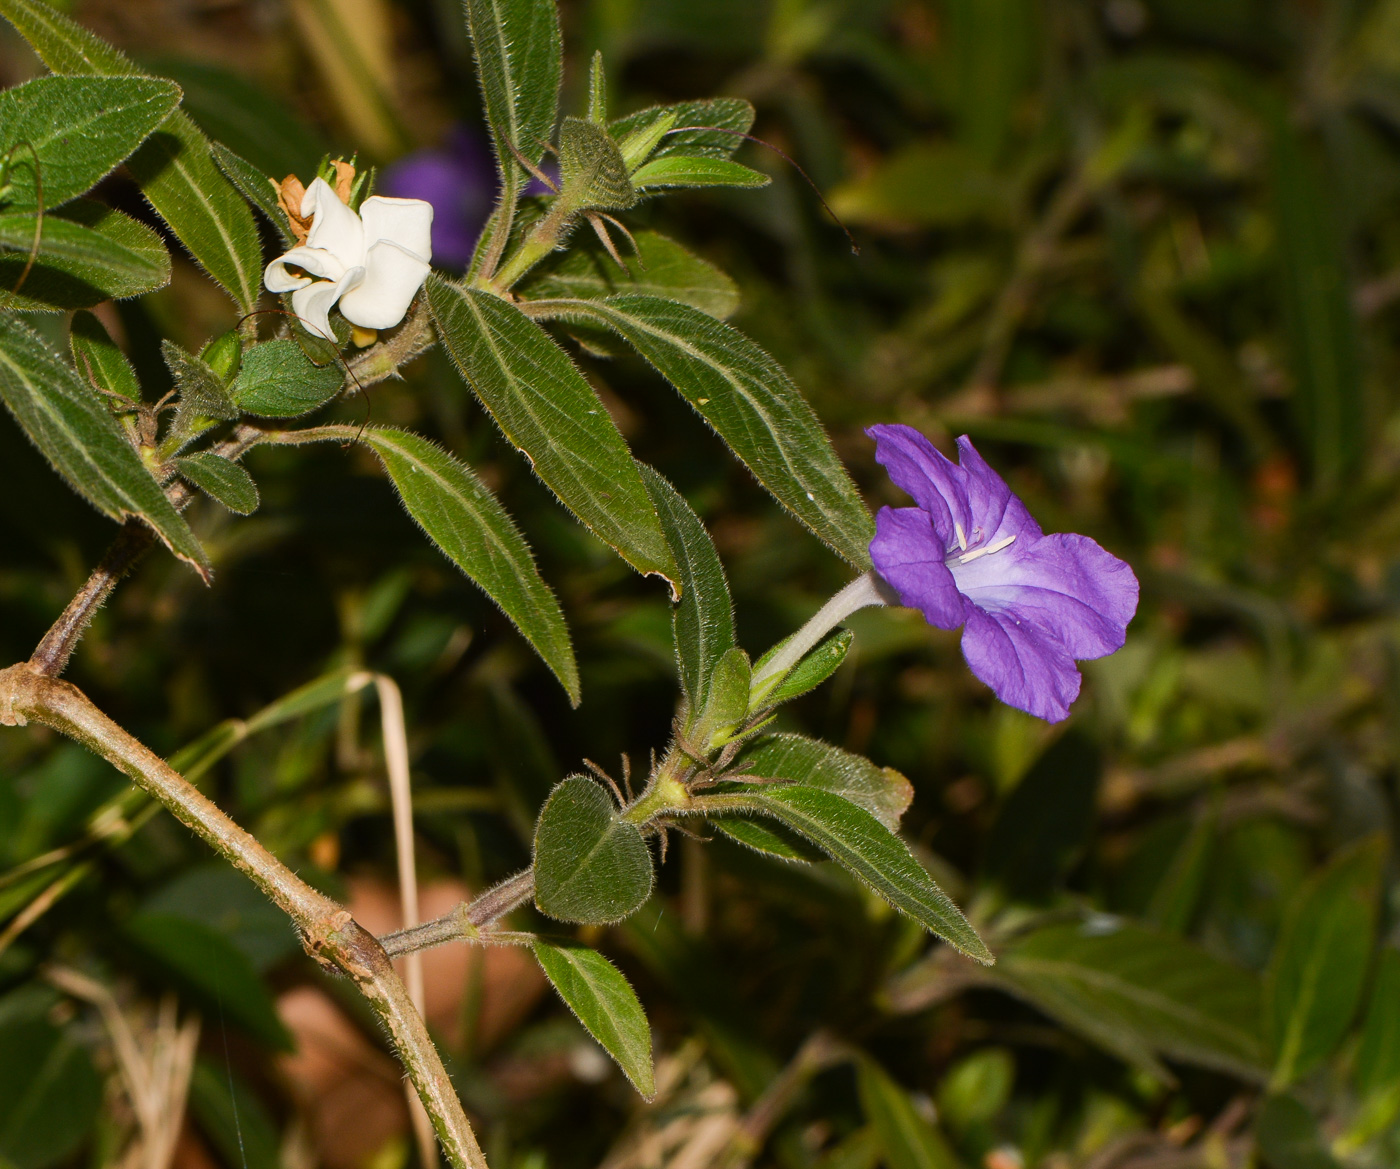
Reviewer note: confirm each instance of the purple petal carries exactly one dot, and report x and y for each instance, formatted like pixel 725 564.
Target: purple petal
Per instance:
pixel 908 553
pixel 1024 667
pixel 1064 585
pixel 994 511
pixel 920 469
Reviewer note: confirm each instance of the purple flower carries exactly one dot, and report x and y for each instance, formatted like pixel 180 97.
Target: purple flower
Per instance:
pixel 971 555
pixel 459 180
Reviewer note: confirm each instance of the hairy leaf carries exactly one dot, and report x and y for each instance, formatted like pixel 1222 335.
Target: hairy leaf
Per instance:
pixel 98 359
pixel 73 428
pixel 679 170
pixel 702 621
pixel 601 998
pixel 256 187
pixel 751 402
pixel 221 479
pixel 204 399
pixel 476 533
pixel 518 64
pixel 546 409
pixel 719 126
pixel 857 841
pixel 88 253
pixel 662 267
pixel 881 791
pixel 814 669
pixel 590 866
pixel 74 130
pixel 278 380
pixel 724 702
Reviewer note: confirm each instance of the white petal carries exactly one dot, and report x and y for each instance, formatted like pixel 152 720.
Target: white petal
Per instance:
pixel 393 277
pixel 317 261
pixel 406 222
pixel 314 303
pixel 334 227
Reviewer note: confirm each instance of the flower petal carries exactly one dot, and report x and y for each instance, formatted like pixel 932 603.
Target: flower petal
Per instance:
pixel 918 467
pixel 1024 667
pixel 994 511
pixel 335 227
pixel 314 303
pixel 1064 585
pixel 406 222
pixel 908 553
pixel 393 277
pixel 317 261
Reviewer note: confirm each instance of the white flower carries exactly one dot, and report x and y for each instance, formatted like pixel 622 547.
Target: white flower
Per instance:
pixel 372 263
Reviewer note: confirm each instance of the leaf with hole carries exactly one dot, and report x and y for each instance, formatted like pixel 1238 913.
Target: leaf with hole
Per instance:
pixel 543 405
pixel 75 130
pixel 857 841
pixel 750 401
pixel 590 865
pixel 597 993
pixel 72 427
pixel 220 479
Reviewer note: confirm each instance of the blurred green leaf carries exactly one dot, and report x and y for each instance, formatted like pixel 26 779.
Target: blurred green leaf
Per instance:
pixel 1318 968
pixel 543 405
pixel 218 896
pixel 1289 1137
pixel 221 479
pixel 87 253
pixel 976 1088
pixel 173 168
pixel 476 533
pixel 909 1140
pixel 218 974
pixel 1139 994
pixel 597 993
pixel 73 131
pixel 278 380
pixel 857 841
pixel 98 359
pixel 230 1114
pixel 991 50
pixel 751 402
pixel 67 422
pixel 590 866
pixel 702 621
pixel 930 184
pixel 662 268
pixel 680 170
pixel 1377 1068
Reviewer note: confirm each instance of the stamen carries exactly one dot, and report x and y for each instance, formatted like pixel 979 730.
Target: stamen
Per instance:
pixel 968 557
pixel 962 538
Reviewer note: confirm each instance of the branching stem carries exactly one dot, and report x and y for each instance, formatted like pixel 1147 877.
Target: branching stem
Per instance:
pixel 468 921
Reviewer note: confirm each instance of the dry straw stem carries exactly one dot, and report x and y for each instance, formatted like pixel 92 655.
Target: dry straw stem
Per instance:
pixel 329 932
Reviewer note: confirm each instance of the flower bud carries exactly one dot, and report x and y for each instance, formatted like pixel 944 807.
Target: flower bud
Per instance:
pixel 224 355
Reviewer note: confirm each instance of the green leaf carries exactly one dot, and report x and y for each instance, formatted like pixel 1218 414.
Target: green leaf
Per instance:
pixel 592 172
pixel 1378 1061
pixel 908 1139
pixel 518 64
pixel 49 1090
pixel 476 533
pixel 1139 994
pixel 932 184
pixel 79 129
pixel 1042 829
pixel 751 402
pixel 768 837
pixel 98 359
pixel 543 405
pixel 216 972
pixel 881 791
pixel 217 895
pixel 74 430
pixel 173 167
pixel 230 1114
pixel 662 268
pixel 256 187
pixel 88 253
pixel 590 866
pixel 221 479
pixel 597 993
pixel 679 170
pixel 1318 968
pixel 723 705
pixel 731 118
pixel 702 622
pixel 1315 288
pixel 1289 1136
pixel 204 399
pixel 809 673
pixel 278 380
pixel 853 838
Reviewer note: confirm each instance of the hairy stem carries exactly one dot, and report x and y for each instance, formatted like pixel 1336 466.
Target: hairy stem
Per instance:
pixel 329 932
pixel 467 920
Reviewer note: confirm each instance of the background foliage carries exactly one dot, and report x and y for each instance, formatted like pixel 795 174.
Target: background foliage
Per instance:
pixel 1146 254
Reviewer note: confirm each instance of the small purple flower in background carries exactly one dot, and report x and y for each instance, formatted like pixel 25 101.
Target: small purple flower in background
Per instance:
pixel 459 180
pixel 971 555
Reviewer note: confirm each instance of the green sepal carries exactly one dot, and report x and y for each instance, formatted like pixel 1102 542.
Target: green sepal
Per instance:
pixel 808 674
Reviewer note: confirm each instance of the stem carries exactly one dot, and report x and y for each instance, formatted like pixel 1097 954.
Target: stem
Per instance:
pixel 867 589
pixel 466 921
pixel 542 240
pixel 329 933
